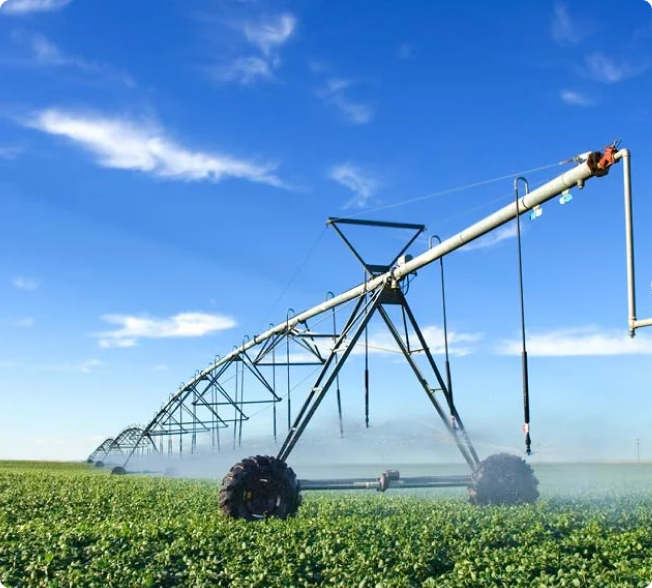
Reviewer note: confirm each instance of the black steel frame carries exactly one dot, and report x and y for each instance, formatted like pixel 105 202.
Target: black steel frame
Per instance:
pixel 363 312
pixel 216 400
pixel 132 439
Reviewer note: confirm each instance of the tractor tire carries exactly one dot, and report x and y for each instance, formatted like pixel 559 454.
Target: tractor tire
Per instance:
pixel 118 471
pixel 259 487
pixel 503 479
pixel 99 464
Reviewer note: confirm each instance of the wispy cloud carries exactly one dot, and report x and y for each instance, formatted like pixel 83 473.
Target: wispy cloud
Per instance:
pixel 270 35
pixel 25 322
pixel 27 6
pixel 359 182
pixel 577 342
pixel 45 53
pixel 605 69
pixel 574 98
pixel 459 344
pixel 26 283
pixel 243 70
pixel 334 93
pixel 133 328
pixel 495 237
pixel 267 36
pixel 10 153
pixel 83 367
pixel 130 145
pixel 565 30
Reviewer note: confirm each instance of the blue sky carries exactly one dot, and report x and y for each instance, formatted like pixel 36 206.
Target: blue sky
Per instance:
pixel 166 167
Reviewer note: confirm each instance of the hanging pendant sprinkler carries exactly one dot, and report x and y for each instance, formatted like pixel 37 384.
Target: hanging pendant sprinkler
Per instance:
pixel 263 486
pixel 526 380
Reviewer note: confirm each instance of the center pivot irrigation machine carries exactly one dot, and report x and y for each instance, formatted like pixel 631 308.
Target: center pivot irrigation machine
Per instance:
pixel 215 400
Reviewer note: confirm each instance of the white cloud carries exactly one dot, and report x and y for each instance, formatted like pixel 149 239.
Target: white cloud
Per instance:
pixel 579 341
pixel 187 324
pixel 27 6
pixel 8 363
pixel 565 30
pixel 47 54
pixel 459 344
pixel 300 356
pixel 124 144
pixel 10 153
pixel 160 368
pixel 271 34
pixel 84 367
pixel 605 69
pixel 267 36
pixel 244 70
pixel 574 98
pixel 25 322
pixel 355 180
pixel 25 283
pixel 334 94
pixel 498 236
pixel 117 343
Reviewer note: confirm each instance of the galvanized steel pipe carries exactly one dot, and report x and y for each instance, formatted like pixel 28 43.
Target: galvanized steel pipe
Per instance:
pixel 555 187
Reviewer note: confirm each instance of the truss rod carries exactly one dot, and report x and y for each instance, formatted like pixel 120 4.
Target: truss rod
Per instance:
pixel 593 165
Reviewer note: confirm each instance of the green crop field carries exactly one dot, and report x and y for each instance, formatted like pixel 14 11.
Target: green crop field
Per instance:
pixel 73 526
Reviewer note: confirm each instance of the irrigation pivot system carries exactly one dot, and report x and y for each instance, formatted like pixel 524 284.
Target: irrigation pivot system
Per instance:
pixel 214 403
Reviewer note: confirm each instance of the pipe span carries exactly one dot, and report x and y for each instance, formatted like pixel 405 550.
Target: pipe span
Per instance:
pixel 554 187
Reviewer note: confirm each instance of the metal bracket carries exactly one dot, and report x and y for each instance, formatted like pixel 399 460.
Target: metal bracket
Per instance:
pixel 374 269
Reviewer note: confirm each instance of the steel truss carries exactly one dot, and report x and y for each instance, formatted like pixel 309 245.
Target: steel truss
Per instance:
pixel 215 400
pixel 216 404
pixel 382 299
pixel 100 451
pixel 131 440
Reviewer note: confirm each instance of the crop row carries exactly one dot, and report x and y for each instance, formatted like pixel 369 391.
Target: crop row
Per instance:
pixel 77 528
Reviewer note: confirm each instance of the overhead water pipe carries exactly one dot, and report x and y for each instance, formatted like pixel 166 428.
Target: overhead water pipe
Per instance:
pixel 634 324
pixel 592 165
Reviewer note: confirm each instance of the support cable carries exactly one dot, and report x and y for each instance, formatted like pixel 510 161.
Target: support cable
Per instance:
pixel 295 274
pixel 449 379
pixel 459 189
pixel 337 379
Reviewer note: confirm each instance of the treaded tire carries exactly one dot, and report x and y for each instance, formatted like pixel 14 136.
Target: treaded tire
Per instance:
pixel 99 464
pixel 118 471
pixel 259 487
pixel 503 479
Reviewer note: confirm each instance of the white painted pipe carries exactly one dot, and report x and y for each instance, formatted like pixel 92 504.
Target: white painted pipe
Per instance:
pixel 555 187
pixel 625 155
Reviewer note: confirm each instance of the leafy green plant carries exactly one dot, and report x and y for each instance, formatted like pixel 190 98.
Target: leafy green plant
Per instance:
pixel 72 526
